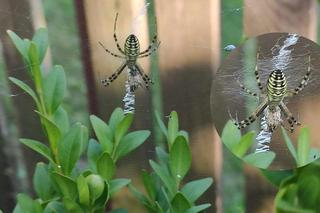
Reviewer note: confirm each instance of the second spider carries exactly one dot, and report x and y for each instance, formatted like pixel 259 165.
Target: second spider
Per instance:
pixel 131 53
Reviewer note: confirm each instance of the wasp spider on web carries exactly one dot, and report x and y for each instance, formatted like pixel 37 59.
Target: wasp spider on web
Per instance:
pixel 272 96
pixel 130 54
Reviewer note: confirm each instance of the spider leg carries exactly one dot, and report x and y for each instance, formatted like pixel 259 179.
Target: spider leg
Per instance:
pixel 114 76
pixel 246 122
pixel 150 52
pixel 154 39
pixel 256 73
pixel 246 89
pixel 291 120
pixel 303 83
pixel 111 53
pixel 115 35
pixel 144 76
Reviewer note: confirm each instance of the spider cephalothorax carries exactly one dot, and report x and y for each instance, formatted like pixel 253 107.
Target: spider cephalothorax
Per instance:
pixel 131 53
pixel 272 99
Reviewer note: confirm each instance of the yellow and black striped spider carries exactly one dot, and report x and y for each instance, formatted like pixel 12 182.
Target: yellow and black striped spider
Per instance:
pixel 131 53
pixel 273 95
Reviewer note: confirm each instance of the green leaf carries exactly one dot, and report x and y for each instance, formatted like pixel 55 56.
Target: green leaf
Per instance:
pixel 69 148
pixel 303 147
pixel 149 183
pixel 41 39
pixel 276 177
pixel 117 184
pixel 96 186
pixel 103 133
pixel 184 134
pixel 164 176
pixel 180 158
pixel 119 211
pixel 54 207
pixel 103 199
pixel 261 160
pixel 289 143
pixel 105 166
pixel 123 127
pixel 180 203
pixel 199 208
pixel 230 135
pixel 173 127
pixel 42 182
pixel 115 118
pixel 130 142
pixel 140 196
pixel 33 54
pixel 54 88
pixel 244 145
pixel 25 87
pixel 71 205
pixel 161 124
pixel 27 205
pixel 38 147
pixel 52 130
pixel 19 44
pixel 84 139
pixel 61 119
pixel 162 156
pixel 67 186
pixel 309 191
pixel 194 189
pixel 83 189
pixel 94 152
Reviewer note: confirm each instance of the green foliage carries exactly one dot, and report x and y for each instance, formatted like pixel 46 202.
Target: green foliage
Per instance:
pixel 240 145
pixel 164 189
pixel 59 184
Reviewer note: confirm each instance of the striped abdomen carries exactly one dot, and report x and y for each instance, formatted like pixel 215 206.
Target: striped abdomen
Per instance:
pixel 132 49
pixel 276 88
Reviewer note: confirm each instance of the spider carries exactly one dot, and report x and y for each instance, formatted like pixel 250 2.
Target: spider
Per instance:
pixel 131 53
pixel 272 99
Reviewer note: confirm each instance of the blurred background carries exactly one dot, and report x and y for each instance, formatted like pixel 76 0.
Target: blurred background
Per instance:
pixel 193 35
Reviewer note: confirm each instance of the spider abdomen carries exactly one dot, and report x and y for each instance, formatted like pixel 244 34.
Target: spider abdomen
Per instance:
pixel 132 48
pixel 276 88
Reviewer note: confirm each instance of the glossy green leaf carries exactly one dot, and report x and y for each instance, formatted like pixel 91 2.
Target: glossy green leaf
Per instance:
pixel 69 148
pixel 231 135
pixel 93 153
pixel 166 178
pixel 61 119
pixel 54 207
pixel 194 189
pixel 198 208
pixel 261 160
pixel 180 158
pixel 96 186
pixel 161 124
pixel 41 39
pixel 180 203
pixel 173 127
pixel 289 143
pixel 303 147
pixel 122 127
pixel 105 166
pixel 27 205
pixel 83 190
pixel 52 129
pixel 38 147
pixel 33 54
pixel 130 142
pixel 42 182
pixel 162 156
pixel 19 43
pixel 276 177
pixel 115 118
pixel 104 197
pixel 25 88
pixel 67 186
pixel 54 88
pixel 149 183
pixel 117 184
pixel 244 144
pixel 103 133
